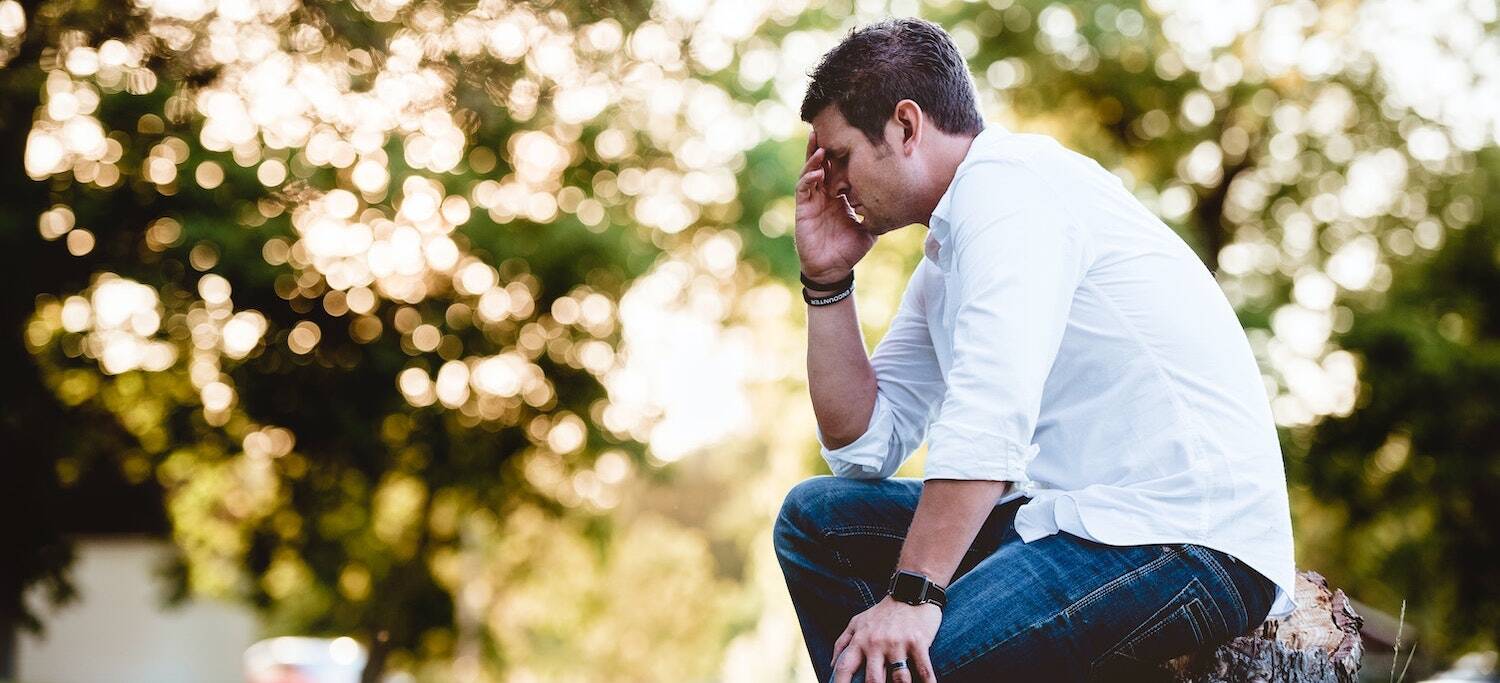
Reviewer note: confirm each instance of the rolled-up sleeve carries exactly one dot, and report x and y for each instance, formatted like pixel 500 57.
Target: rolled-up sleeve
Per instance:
pixel 909 385
pixel 1016 264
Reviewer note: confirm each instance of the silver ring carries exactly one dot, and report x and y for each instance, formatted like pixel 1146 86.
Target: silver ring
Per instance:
pixel 895 666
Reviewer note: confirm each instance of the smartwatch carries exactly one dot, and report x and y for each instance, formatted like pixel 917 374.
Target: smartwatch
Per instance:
pixel 916 589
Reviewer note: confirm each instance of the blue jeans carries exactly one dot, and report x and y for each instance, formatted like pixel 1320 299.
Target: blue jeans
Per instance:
pixel 1061 608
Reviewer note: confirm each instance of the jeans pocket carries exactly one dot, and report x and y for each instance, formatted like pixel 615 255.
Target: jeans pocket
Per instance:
pixel 1179 627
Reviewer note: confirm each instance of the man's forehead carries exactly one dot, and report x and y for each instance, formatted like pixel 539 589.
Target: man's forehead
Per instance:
pixel 832 129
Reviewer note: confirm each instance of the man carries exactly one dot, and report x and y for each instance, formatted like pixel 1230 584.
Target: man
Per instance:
pixel 1104 487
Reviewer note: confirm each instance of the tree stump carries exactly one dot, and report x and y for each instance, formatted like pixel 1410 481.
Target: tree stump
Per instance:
pixel 1318 643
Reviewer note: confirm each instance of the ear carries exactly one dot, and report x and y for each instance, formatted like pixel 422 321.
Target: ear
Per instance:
pixel 908 119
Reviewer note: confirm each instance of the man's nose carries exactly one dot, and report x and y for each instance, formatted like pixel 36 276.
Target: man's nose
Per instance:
pixel 838 180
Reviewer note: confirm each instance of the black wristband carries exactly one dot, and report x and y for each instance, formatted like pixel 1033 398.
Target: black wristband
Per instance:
pixel 826 300
pixel 828 287
pixel 916 589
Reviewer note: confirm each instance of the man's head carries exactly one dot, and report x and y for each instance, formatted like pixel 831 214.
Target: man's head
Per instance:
pixel 893 105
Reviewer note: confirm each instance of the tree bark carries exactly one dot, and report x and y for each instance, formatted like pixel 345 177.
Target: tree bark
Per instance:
pixel 380 646
pixel 1318 643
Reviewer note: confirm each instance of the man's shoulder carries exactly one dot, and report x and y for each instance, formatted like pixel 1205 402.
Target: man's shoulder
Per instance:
pixel 1018 169
pixel 1020 148
pixel 1012 171
pixel 1032 156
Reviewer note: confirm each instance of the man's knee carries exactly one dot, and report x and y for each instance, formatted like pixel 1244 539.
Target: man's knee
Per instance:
pixel 805 507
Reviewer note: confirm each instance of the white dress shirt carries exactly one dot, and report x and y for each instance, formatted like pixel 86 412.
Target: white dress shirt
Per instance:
pixel 1060 336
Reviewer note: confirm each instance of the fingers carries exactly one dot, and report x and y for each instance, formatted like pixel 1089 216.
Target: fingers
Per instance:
pixel 846 664
pixel 814 170
pixel 922 666
pixel 842 642
pixel 814 160
pixel 808 182
pixel 917 667
pixel 875 668
pixel 848 660
pixel 845 660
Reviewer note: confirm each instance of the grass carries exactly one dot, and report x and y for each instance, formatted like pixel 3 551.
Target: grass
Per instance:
pixel 1396 652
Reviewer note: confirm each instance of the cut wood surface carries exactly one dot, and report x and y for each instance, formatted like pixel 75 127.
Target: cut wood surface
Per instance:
pixel 1318 643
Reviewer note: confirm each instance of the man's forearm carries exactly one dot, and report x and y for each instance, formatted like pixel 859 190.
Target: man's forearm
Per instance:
pixel 948 517
pixel 840 378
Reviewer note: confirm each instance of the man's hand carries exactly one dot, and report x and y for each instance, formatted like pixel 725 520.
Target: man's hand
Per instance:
pixel 828 239
pixel 885 633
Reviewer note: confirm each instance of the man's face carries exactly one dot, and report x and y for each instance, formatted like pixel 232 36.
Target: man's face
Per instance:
pixel 869 176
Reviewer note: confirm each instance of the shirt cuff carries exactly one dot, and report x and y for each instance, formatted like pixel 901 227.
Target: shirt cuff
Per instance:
pixel 961 453
pixel 865 457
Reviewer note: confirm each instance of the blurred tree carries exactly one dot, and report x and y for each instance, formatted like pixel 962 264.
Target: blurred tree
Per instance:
pixel 36 428
pixel 1410 476
pixel 345 280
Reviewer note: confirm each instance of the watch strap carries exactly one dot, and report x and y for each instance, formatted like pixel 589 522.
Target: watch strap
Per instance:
pixel 916 589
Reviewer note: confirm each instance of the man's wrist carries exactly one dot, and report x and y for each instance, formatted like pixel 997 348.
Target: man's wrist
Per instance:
pixel 892 599
pixel 824 282
pixel 915 588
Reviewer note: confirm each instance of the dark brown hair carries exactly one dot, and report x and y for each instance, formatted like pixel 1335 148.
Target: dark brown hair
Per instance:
pixel 875 67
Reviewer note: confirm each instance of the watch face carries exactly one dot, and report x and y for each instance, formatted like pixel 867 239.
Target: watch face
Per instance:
pixel 908 587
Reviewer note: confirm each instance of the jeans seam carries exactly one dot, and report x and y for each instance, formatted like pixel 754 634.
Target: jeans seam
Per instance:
pixel 853 529
pixel 1234 591
pixel 1134 636
pixel 859 585
pixel 1185 609
pixel 1066 611
pixel 883 532
pixel 862 530
pixel 1101 591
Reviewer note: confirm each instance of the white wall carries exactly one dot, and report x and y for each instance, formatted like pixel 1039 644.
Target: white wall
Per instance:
pixel 117 630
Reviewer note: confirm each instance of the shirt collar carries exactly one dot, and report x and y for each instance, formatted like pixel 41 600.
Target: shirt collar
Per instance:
pixel 938 226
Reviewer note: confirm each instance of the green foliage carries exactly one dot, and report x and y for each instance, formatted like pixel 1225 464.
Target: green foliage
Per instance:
pixel 351 335
pixel 1411 472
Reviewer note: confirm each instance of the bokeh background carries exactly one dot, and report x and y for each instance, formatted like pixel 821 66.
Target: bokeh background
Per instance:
pixel 470 330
